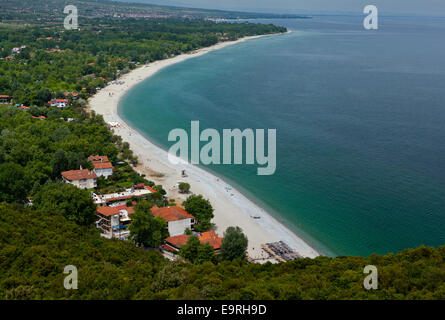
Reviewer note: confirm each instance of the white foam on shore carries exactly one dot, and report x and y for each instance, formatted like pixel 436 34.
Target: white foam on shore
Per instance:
pixel 232 208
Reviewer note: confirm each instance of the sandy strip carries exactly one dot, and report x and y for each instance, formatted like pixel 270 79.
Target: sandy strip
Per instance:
pixel 231 207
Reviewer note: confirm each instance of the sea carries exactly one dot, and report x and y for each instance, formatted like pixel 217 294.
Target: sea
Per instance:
pixel 360 126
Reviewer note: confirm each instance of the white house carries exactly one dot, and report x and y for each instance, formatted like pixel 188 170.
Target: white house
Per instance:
pixel 178 220
pixel 83 179
pixel 59 103
pixel 102 167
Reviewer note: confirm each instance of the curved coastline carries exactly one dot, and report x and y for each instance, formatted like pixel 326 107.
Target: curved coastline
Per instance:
pixel 231 207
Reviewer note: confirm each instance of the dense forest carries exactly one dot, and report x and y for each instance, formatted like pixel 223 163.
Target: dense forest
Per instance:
pixel 36 246
pixel 53 60
pixel 46 225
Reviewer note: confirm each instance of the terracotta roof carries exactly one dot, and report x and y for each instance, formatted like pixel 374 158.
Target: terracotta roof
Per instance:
pixel 4 96
pixel 108 211
pixel 100 162
pixel 102 165
pixel 150 188
pixel 171 213
pixel 211 238
pixel 177 241
pixel 130 210
pixel 79 174
pixel 98 158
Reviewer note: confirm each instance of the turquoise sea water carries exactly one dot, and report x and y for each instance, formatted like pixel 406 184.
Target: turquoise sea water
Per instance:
pixel 360 119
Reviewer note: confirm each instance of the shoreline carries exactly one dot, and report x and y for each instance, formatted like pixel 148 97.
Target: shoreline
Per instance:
pixel 231 207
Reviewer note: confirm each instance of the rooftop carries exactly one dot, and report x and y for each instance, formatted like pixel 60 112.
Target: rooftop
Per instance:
pixel 98 158
pixel 108 211
pixel 79 174
pixel 172 213
pixel 102 165
pixel 209 237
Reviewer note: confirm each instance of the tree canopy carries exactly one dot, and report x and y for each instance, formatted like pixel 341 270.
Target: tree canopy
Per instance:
pixel 201 209
pixel 36 246
pixel 197 252
pixel 234 244
pixel 73 203
pixel 145 229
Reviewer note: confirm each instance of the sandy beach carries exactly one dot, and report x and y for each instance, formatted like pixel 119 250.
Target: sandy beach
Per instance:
pixel 232 208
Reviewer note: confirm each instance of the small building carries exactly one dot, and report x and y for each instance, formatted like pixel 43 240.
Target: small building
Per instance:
pixel 83 179
pixel 108 219
pixel 173 244
pixel 5 99
pixel 178 220
pixel 59 103
pixel 102 167
pixel 121 197
pixel 114 221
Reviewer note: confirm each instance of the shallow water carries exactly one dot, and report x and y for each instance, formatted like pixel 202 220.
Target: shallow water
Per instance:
pixel 360 126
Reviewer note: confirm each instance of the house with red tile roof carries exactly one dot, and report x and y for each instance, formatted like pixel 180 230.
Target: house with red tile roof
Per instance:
pixel 83 178
pixel 114 221
pixel 102 167
pixel 178 220
pixel 108 220
pixel 59 103
pixel 173 244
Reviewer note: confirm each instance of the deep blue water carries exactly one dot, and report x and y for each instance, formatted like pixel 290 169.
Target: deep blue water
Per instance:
pixel 360 125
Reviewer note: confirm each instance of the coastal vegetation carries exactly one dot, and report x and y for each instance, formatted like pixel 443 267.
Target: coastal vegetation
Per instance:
pixel 234 244
pixel 36 246
pixel 196 252
pixel 46 225
pixel 201 209
pixel 146 230
pixel 50 61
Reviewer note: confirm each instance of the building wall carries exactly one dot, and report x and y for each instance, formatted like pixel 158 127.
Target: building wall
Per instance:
pixel 83 184
pixel 176 228
pixel 103 172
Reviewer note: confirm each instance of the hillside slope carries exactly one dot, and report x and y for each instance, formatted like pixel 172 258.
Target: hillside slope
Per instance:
pixel 36 246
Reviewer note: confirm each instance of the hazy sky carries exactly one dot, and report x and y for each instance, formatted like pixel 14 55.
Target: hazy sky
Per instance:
pixel 423 7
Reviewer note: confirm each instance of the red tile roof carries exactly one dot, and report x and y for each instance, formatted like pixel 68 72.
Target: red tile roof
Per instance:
pixel 177 241
pixel 4 96
pixel 79 174
pixel 102 165
pixel 150 188
pixel 209 237
pixel 108 211
pixel 130 210
pixel 98 158
pixel 171 213
pixel 100 162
